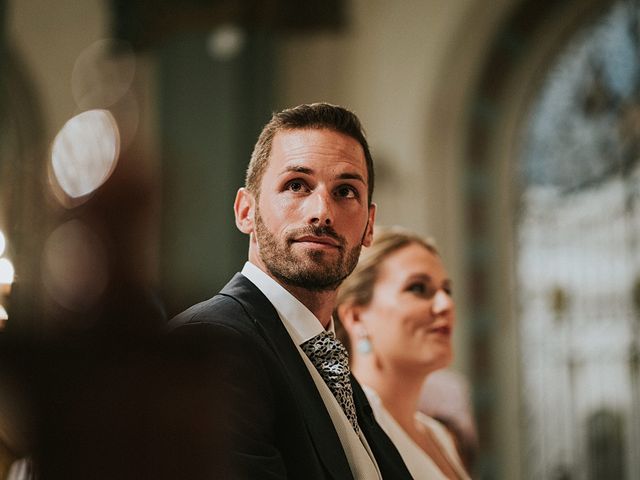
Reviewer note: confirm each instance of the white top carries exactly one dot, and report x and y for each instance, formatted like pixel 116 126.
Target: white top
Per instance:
pixel 302 325
pixel 420 465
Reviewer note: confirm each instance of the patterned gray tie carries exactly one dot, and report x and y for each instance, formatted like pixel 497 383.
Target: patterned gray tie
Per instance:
pixel 332 362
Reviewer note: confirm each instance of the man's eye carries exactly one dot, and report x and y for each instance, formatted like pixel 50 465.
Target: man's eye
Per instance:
pixel 347 192
pixel 295 186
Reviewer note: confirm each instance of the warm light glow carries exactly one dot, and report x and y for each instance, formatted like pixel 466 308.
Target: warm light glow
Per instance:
pixel 226 42
pixel 127 114
pixel 103 77
pixel 103 73
pixel 85 152
pixel 75 268
pixel 3 242
pixel 6 272
pixel 4 316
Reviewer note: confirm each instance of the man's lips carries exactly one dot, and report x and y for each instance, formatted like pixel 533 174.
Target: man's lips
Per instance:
pixel 326 241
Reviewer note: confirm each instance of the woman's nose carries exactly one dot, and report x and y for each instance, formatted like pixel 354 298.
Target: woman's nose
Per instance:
pixel 442 302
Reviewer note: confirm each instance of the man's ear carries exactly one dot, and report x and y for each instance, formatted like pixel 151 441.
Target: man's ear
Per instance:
pixel 244 209
pixel 367 238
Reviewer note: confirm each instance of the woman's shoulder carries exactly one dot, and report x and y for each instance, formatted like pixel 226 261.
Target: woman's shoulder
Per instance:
pixel 444 436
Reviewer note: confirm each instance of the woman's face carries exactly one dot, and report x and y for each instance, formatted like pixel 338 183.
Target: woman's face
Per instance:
pixel 411 316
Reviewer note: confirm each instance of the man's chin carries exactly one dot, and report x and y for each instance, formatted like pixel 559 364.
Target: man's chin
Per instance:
pixel 314 286
pixel 315 254
pixel 311 277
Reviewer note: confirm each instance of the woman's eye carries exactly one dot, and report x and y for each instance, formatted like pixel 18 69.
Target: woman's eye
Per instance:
pixel 422 289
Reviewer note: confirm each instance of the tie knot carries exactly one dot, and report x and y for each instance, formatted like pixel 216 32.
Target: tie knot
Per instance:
pixel 326 348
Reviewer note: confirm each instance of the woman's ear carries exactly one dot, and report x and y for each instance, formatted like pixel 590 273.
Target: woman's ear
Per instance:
pixel 352 320
pixel 349 315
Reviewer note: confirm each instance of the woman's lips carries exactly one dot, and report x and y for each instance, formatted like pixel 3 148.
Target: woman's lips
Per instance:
pixel 442 330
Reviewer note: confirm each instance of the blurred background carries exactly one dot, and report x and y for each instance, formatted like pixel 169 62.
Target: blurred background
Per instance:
pixel 509 130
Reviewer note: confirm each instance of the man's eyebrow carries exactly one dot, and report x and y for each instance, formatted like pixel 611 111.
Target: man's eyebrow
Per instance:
pixel 351 176
pixel 297 169
pixel 309 171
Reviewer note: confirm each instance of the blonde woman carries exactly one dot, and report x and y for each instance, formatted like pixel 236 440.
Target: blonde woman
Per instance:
pixel 399 315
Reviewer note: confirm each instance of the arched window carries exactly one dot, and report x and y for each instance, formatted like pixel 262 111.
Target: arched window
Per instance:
pixel 577 253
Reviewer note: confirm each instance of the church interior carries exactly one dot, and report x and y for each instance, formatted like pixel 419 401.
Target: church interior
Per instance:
pixel 507 130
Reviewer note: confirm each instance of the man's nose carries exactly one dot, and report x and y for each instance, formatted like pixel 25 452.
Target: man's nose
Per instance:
pixel 442 302
pixel 320 208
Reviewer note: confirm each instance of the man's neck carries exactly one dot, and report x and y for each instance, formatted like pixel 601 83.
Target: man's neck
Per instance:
pixel 320 303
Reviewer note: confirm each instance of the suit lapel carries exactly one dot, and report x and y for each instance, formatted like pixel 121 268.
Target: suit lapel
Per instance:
pixel 318 421
pixel 389 459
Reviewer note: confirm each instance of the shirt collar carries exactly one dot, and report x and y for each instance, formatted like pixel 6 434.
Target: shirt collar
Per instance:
pixel 301 323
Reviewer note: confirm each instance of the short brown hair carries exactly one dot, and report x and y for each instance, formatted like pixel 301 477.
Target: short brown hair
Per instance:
pixel 306 116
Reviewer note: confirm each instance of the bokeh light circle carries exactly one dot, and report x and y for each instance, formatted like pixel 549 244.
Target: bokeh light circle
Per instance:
pixel 103 73
pixel 75 266
pixel 85 152
pixel 7 272
pixel 226 42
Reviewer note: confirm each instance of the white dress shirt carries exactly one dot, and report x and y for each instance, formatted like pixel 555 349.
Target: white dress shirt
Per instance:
pixel 303 325
pixel 420 465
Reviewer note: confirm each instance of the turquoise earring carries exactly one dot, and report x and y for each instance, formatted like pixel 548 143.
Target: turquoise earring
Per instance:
pixel 363 344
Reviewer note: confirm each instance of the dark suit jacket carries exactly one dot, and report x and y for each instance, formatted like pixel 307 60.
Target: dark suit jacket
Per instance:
pixel 278 425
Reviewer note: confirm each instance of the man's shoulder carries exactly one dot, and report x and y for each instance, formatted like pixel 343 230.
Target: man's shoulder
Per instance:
pixel 214 310
pixel 219 310
pixel 219 323
pixel 231 307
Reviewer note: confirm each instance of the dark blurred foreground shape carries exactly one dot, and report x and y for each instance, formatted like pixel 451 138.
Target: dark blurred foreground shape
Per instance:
pixel 90 388
pixel 96 410
pixel 102 393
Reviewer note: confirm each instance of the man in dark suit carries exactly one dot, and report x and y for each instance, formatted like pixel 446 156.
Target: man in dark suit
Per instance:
pixel 294 410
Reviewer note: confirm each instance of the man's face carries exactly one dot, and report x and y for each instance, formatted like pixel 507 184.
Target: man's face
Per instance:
pixel 312 216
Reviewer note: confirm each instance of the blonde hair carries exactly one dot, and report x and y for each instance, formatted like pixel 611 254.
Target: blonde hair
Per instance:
pixel 358 287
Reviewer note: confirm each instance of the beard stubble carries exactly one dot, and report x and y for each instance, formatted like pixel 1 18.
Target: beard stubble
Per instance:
pixel 313 270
